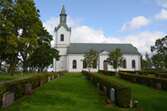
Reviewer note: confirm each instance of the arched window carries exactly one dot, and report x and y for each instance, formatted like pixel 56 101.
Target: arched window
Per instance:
pixel 133 64
pixel 124 63
pixel 105 64
pixel 62 37
pixel 84 64
pixel 74 64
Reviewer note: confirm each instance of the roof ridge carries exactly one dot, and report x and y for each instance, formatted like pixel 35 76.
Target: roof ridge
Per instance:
pixel 105 43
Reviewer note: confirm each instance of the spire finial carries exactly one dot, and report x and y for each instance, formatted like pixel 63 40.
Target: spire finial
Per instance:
pixel 63 11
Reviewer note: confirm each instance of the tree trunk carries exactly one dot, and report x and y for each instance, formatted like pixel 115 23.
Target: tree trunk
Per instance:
pixel 25 67
pixel 116 72
pixel 0 65
pixel 12 68
pixel 89 69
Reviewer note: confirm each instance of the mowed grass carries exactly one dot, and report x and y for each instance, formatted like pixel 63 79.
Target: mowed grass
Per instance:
pixel 69 93
pixel 149 99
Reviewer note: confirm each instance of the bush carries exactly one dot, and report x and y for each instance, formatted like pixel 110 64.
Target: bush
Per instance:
pixel 110 73
pixel 122 92
pixel 18 86
pixel 159 83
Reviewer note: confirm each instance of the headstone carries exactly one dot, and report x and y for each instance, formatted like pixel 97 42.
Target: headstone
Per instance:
pixel 41 82
pixel 112 94
pixel 105 90
pixel 52 77
pixel 98 85
pixel 7 99
pixel 158 85
pixel 28 89
pixel 49 78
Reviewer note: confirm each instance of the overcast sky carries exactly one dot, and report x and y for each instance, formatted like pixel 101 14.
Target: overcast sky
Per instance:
pixel 139 22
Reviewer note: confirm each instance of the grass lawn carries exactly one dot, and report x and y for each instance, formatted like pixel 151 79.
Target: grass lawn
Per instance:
pixel 69 93
pixel 149 99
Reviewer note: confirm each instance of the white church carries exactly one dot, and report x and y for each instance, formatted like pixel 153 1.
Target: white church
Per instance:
pixel 72 54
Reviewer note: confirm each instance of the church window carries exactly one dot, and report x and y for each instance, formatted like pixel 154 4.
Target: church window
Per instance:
pixel 133 64
pixel 62 37
pixel 124 63
pixel 74 64
pixel 105 65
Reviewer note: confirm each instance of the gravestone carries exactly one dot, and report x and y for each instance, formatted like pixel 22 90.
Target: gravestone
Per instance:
pixel 52 77
pixel 158 85
pixel 105 90
pixel 49 78
pixel 98 85
pixel 28 89
pixel 41 82
pixel 112 94
pixel 7 99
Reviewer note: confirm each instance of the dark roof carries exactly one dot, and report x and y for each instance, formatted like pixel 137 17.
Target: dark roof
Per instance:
pixel 63 11
pixel 63 25
pixel 81 48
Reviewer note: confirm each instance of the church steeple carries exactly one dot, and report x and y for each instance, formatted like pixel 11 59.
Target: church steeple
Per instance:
pixel 63 16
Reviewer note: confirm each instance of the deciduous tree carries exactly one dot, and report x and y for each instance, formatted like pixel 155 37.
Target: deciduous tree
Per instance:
pixel 91 58
pixel 115 58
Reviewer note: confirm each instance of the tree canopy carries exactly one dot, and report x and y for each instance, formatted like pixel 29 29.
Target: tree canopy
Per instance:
pixel 91 58
pixel 159 50
pixel 23 37
pixel 115 58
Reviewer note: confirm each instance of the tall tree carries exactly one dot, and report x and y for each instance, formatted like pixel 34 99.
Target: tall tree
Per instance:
pixel 147 62
pixel 22 34
pixel 8 37
pixel 43 52
pixel 159 50
pixel 115 58
pixel 91 58
pixel 28 26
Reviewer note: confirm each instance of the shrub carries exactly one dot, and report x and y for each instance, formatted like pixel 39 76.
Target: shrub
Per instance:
pixel 110 73
pixel 18 86
pixel 122 92
pixel 159 83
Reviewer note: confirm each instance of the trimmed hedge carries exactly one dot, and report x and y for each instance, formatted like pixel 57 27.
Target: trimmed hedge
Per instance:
pixel 110 73
pixel 122 92
pixel 18 86
pixel 158 83
pixel 159 74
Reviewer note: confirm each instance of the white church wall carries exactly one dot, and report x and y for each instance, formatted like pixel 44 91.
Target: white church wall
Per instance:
pixel 62 51
pixel 79 58
pixel 61 64
pixel 66 34
pixel 128 58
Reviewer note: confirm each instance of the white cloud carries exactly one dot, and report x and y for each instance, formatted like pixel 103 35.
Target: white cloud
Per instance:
pixel 135 23
pixel 162 3
pixel 86 34
pixel 162 15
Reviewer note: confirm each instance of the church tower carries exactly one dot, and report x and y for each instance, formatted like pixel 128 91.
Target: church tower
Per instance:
pixel 62 41
pixel 63 32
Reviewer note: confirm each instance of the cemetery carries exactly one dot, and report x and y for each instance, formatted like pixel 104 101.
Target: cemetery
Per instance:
pixel 75 91
pixel 112 58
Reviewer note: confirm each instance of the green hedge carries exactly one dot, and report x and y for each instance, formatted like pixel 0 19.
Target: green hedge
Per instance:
pixel 122 92
pixel 156 73
pixel 158 83
pixel 110 73
pixel 18 86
